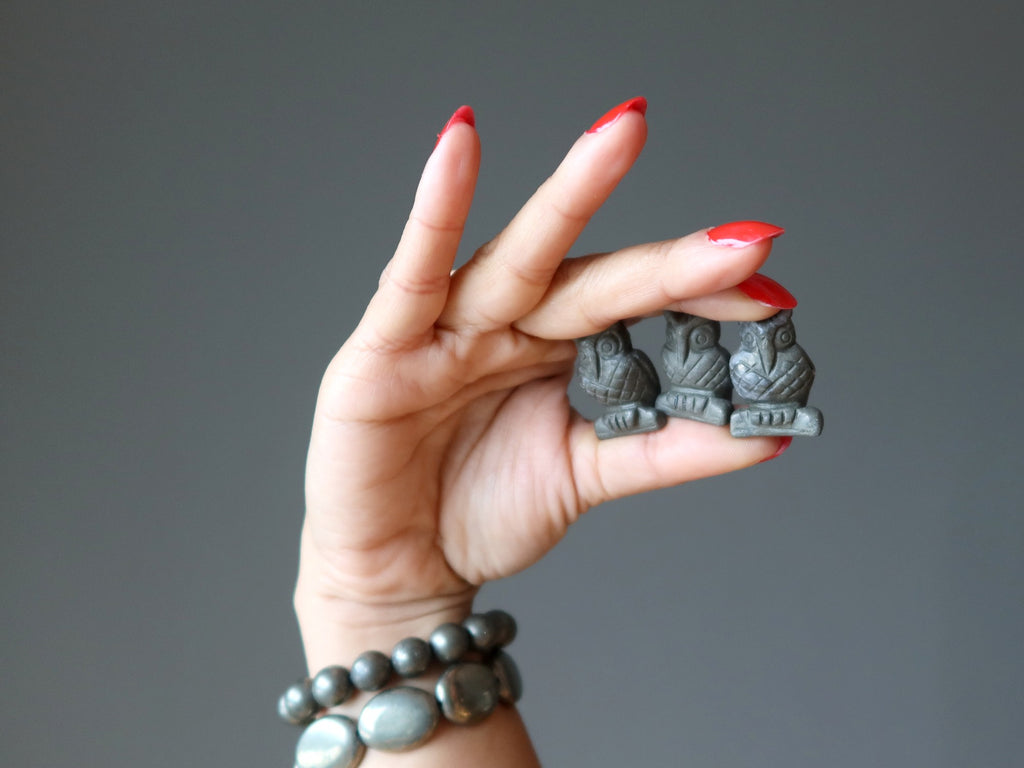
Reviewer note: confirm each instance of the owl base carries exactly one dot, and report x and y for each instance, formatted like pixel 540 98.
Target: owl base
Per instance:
pixel 696 405
pixel 630 420
pixel 776 420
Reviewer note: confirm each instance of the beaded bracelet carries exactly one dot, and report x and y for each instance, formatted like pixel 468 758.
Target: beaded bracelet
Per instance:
pixel 479 675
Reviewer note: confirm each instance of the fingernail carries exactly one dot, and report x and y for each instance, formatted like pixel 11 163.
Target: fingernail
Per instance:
pixel 784 443
pixel 639 104
pixel 463 114
pixel 766 291
pixel 742 233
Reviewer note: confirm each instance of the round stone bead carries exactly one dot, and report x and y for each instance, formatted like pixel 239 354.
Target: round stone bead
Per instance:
pixel 330 742
pixel 484 631
pixel 398 719
pixel 297 705
pixel 510 682
pixel 450 642
pixel 411 657
pixel 370 671
pixel 467 693
pixel 331 686
pixel 504 625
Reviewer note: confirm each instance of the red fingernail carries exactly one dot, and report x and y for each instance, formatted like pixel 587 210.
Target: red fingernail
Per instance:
pixel 742 233
pixel 784 443
pixel 639 104
pixel 766 291
pixel 463 114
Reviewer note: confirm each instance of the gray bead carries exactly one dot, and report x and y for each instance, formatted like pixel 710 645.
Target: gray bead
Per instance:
pixel 467 693
pixel 330 742
pixel 297 705
pixel 504 625
pixel 484 631
pixel 398 719
pixel 331 686
pixel 411 657
pixel 370 671
pixel 450 642
pixel 510 682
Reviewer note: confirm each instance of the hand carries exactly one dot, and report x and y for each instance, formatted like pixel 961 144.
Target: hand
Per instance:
pixel 444 450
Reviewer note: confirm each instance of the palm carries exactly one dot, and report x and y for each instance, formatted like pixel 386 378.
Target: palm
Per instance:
pixel 481 484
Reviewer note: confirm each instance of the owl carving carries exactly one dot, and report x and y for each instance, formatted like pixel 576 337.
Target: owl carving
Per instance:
pixel 697 367
pixel 621 378
pixel 774 375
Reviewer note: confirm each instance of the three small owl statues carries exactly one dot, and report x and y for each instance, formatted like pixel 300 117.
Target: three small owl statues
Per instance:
pixel 770 373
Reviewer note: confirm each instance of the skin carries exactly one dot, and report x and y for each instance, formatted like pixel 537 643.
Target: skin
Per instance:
pixel 444 452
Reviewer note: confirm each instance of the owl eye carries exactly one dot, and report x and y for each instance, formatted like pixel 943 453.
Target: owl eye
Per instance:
pixel 700 338
pixel 608 345
pixel 785 338
pixel 748 339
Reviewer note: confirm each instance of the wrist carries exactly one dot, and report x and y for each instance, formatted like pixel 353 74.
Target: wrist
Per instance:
pixel 344 611
pixel 478 686
pixel 335 631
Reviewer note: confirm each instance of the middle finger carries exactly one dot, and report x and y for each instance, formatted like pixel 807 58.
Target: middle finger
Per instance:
pixel 699 271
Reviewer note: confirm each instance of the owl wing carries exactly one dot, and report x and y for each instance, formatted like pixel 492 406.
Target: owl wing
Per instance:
pixel 793 379
pixel 749 380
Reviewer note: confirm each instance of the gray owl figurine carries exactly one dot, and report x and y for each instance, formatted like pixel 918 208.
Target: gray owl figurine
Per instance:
pixel 697 367
pixel 774 375
pixel 621 378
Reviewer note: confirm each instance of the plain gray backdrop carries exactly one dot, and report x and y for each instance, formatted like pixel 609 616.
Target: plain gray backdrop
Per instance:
pixel 197 199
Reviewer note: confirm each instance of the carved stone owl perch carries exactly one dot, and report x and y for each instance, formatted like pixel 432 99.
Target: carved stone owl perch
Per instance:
pixel 621 378
pixel 697 367
pixel 774 375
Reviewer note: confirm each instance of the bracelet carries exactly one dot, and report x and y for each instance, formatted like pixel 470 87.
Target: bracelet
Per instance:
pixel 478 675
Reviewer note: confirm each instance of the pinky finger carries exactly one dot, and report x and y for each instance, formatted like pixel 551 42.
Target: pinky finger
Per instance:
pixel 414 285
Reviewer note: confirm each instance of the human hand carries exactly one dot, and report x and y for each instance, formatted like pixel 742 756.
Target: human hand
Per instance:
pixel 444 451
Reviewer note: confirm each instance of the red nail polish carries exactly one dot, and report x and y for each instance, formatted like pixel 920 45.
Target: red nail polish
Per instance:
pixel 766 291
pixel 463 114
pixel 784 443
pixel 639 104
pixel 741 233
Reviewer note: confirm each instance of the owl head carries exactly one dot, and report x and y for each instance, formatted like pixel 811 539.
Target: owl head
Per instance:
pixel 685 333
pixel 766 338
pixel 597 348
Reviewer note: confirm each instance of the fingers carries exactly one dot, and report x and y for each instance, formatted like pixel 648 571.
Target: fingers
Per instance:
pixel 694 274
pixel 509 275
pixel 756 298
pixel 682 451
pixel 414 285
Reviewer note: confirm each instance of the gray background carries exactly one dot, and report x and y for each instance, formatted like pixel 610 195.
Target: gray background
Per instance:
pixel 196 201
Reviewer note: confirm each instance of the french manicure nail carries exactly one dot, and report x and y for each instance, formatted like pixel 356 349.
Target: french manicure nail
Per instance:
pixel 766 291
pixel 784 443
pixel 463 114
pixel 738 234
pixel 639 104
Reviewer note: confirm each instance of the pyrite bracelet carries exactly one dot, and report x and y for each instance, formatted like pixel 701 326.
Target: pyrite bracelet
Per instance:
pixel 479 675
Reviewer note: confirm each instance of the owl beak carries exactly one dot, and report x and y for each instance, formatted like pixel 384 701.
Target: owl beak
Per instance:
pixel 766 351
